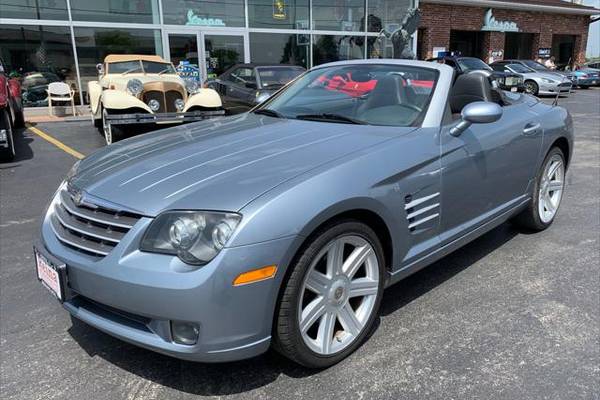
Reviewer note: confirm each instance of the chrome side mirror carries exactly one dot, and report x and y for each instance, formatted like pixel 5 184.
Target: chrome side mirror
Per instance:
pixel 100 68
pixel 479 112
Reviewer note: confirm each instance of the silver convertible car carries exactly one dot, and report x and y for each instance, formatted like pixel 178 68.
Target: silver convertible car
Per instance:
pixel 282 227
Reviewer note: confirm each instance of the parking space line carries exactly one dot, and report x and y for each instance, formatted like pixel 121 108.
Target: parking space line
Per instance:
pixel 55 142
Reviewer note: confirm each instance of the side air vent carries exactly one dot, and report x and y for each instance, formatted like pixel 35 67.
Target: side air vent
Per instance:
pixel 421 210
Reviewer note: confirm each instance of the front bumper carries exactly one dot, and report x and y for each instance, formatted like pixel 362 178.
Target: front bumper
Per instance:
pixel 164 118
pixel 134 295
pixel 554 88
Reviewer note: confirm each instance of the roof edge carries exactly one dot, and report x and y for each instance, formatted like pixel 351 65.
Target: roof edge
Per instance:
pixel 579 10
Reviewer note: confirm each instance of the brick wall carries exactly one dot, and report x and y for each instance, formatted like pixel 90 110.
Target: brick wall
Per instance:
pixel 438 20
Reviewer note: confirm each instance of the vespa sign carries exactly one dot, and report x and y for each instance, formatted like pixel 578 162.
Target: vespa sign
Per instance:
pixel 491 24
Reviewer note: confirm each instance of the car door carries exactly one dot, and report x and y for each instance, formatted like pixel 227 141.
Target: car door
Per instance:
pixel 487 170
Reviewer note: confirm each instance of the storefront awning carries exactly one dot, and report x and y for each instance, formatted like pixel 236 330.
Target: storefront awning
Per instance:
pixel 548 6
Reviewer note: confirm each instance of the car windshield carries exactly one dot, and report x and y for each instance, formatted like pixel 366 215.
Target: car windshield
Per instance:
pixel 535 65
pixel 472 64
pixel 519 68
pixel 392 95
pixel 152 67
pixel 33 79
pixel 124 67
pixel 277 76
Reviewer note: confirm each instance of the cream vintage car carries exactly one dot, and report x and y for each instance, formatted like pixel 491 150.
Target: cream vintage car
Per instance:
pixel 145 89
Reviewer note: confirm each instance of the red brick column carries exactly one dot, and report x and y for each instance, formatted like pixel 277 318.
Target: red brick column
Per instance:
pixel 580 48
pixel 493 41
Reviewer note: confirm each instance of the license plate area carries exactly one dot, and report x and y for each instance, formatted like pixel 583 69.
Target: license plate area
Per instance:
pixel 51 275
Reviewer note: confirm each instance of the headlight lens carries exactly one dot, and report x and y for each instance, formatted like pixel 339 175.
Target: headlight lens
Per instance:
pixel 135 87
pixel 154 104
pixel 179 104
pixel 547 80
pixel 72 171
pixel 196 237
pixel 191 86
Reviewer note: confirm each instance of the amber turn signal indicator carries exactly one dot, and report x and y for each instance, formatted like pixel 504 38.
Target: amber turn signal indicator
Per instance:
pixel 255 275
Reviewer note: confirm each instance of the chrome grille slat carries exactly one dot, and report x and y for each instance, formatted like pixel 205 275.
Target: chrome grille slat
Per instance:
pixel 100 217
pixel 73 224
pixel 88 228
pixel 65 236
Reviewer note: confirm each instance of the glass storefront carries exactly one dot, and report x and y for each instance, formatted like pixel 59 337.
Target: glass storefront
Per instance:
pixel 329 48
pixel 37 56
pixel 278 48
pixel 93 44
pixel 139 11
pixel 207 13
pixel 202 38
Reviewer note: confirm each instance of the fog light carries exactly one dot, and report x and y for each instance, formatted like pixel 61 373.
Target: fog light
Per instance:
pixel 179 104
pixel 154 105
pixel 3 135
pixel 184 332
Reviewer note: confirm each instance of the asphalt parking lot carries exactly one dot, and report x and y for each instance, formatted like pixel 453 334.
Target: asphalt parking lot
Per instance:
pixel 509 316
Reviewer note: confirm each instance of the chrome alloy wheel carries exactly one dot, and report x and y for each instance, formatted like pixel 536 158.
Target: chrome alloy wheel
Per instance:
pixel 107 128
pixel 338 294
pixel 551 188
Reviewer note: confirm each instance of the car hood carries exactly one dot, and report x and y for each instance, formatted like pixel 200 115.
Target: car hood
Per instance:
pixel 546 75
pixel 219 164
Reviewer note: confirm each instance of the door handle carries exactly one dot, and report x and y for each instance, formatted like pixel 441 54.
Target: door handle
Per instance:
pixel 530 129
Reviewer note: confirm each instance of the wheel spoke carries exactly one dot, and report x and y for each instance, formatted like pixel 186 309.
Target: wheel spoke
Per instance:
pixel 555 186
pixel 325 333
pixel 311 313
pixel 363 287
pixel 553 168
pixel 348 319
pixel 356 259
pixel 550 205
pixel 317 282
pixel 335 258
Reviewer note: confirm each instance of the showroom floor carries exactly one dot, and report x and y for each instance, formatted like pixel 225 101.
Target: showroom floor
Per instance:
pixel 510 316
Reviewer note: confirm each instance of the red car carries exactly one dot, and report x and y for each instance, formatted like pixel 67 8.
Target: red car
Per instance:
pixel 11 113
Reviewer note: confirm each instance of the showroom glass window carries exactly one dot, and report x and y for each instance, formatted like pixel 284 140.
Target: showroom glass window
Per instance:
pixel 138 11
pixel 386 14
pixel 338 15
pixel 34 9
pixel 278 14
pixel 93 44
pixel 276 48
pixel 329 48
pixel 213 13
pixel 37 56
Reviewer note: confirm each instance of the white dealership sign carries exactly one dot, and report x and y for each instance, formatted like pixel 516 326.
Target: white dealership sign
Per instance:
pixel 491 24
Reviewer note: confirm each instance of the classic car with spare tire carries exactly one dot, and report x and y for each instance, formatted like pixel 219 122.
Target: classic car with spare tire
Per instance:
pixel 282 226
pixel 142 89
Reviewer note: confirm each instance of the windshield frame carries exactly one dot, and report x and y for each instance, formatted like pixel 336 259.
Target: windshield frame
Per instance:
pixel 541 67
pixel 141 67
pixel 442 78
pixel 460 62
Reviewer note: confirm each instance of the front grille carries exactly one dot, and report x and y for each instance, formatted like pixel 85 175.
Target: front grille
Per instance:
pixel 89 228
pixel 565 84
pixel 155 95
pixel 170 98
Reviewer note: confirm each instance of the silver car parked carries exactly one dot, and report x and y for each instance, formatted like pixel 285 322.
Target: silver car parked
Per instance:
pixel 537 83
pixel 282 226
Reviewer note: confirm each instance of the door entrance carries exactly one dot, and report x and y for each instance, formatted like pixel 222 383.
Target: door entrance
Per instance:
pixel 204 55
pixel 518 46
pixel 467 43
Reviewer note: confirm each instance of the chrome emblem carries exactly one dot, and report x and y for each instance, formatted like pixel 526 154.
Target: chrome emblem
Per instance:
pixel 78 198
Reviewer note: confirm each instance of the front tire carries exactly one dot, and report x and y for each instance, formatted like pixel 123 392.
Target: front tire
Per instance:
pixel 532 88
pixel 332 296
pixel 547 193
pixel 111 133
pixel 8 153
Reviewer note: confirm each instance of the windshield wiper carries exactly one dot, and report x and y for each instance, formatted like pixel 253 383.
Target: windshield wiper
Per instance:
pixel 164 70
pixel 268 112
pixel 330 117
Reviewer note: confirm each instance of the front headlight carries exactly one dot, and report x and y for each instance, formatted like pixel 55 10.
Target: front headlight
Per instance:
pixel 179 104
pixel 196 237
pixel 72 171
pixel 135 87
pixel 191 86
pixel 548 80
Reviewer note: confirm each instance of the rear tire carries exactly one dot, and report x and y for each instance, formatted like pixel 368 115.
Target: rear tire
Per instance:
pixel 320 327
pixel 19 118
pixel 532 88
pixel 547 193
pixel 584 86
pixel 7 154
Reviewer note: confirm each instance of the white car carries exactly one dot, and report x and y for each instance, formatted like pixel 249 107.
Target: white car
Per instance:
pixel 145 89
